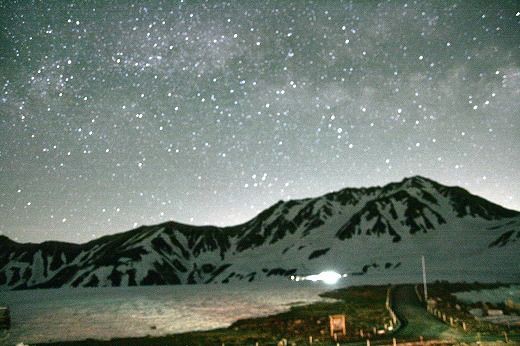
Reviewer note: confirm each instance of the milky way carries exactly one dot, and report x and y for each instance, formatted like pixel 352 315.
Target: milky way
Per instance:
pixel 114 116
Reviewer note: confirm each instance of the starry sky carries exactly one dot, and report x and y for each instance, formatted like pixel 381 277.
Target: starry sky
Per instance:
pixel 118 114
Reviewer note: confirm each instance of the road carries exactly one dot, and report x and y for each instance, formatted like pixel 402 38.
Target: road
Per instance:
pixel 417 321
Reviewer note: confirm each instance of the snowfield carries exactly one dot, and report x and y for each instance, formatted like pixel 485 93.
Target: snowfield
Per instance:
pixel 378 230
pixel 104 313
pixel 494 296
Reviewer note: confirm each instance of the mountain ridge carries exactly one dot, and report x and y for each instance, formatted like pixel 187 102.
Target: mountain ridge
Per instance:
pixel 294 236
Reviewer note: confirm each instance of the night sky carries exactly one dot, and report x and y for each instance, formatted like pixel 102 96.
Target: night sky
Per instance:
pixel 114 116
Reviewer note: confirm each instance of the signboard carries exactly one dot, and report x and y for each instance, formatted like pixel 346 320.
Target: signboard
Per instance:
pixel 337 324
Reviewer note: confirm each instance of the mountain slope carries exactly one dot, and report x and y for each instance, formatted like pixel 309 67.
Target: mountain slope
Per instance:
pixel 374 232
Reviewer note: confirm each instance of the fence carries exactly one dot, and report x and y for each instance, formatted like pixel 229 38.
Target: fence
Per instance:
pixel 5 319
pixel 388 304
pixel 372 336
pixel 390 326
pixel 466 324
pixel 365 336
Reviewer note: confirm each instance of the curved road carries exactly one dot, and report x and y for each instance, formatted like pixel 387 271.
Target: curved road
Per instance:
pixel 416 321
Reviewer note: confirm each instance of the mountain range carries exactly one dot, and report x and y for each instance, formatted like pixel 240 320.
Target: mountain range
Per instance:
pixel 375 234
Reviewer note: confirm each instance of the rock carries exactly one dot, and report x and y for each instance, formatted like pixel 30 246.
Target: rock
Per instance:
pixel 495 312
pixel 477 312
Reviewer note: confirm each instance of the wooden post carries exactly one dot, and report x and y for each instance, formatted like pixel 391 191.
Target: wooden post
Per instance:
pixel 506 338
pixel 310 340
pixel 335 337
pixel 464 326
pixel 394 342
pixel 361 334
pixel 421 339
pixel 451 321
pixel 368 342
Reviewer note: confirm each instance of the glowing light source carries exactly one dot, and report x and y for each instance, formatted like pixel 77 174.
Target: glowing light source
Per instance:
pixel 329 277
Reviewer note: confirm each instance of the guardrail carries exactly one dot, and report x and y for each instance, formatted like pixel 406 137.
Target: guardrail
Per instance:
pixel 444 317
pixel 395 321
pixel 454 321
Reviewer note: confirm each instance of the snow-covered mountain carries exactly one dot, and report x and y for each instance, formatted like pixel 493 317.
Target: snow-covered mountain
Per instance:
pixel 377 232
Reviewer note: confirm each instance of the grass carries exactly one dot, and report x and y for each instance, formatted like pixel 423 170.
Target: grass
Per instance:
pixel 364 307
pixel 448 303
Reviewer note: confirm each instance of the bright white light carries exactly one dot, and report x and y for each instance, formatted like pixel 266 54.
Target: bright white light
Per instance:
pixel 328 277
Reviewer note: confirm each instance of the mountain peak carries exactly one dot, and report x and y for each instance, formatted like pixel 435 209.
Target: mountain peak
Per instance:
pixel 347 227
pixel 417 178
pixel 418 181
